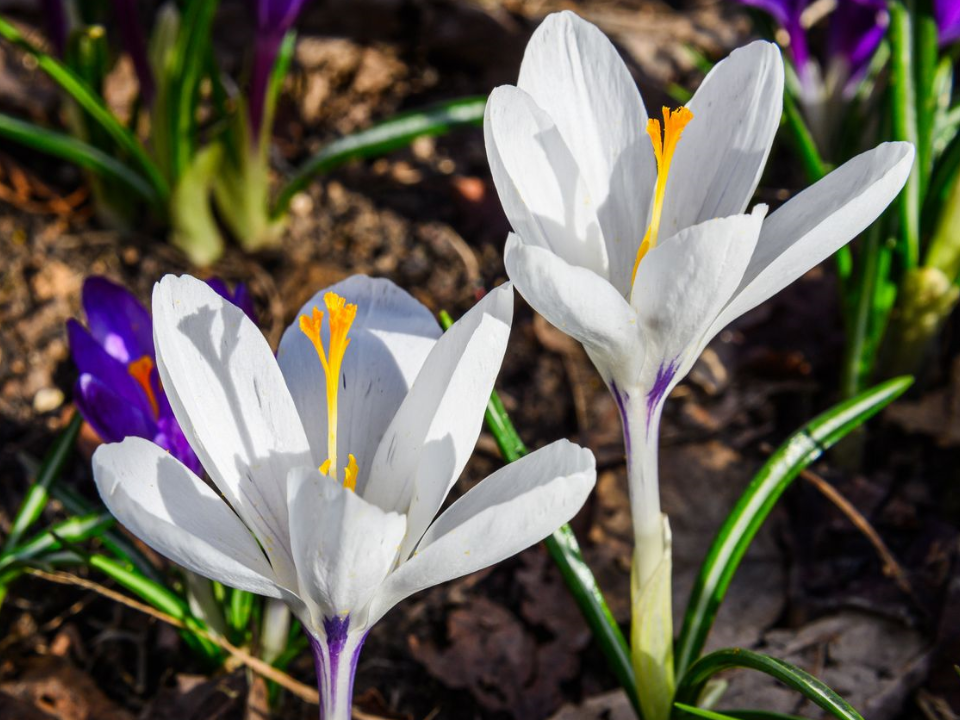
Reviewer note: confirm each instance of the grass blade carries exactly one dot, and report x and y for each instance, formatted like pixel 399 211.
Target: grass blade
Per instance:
pixel 70 83
pixel 814 690
pixel 39 493
pixel 77 152
pixel 397 132
pixel 699 712
pixel 903 111
pixel 565 551
pixel 190 57
pixel 112 539
pixel 71 530
pixel 753 507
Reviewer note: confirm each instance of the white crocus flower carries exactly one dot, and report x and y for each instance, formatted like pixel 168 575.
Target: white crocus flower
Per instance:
pixel 341 544
pixel 641 250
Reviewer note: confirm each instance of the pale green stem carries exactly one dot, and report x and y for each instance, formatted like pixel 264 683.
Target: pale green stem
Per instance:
pixel 651 636
pixel 202 602
pixel 274 629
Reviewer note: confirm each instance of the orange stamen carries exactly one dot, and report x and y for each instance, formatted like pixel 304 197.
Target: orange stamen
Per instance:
pixel 141 370
pixel 341 317
pixel 664 144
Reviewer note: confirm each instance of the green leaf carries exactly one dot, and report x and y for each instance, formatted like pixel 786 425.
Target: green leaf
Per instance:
pixel 941 185
pixel 903 109
pixel 760 715
pixel 731 714
pixel 565 551
pixel 926 52
pixel 700 712
pixel 741 526
pixel 113 540
pixel 397 132
pixel 194 227
pixel 189 58
pixel 71 530
pixel 814 690
pixel 813 165
pixel 77 152
pixel 278 74
pixel 39 493
pixel 88 100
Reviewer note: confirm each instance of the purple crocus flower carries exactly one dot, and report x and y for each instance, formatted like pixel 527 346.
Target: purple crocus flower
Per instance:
pixel 57 24
pixel 131 34
pixel 119 392
pixel 856 28
pixel 274 19
pixel 947 14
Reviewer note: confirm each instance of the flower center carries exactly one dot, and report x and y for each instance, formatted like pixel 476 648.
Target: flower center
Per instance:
pixel 141 370
pixel 664 141
pixel 341 316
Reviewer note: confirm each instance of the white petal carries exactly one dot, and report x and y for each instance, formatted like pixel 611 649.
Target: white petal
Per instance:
pixel 684 283
pixel 344 546
pixel 168 507
pixel 228 395
pixel 575 74
pixel 389 340
pixel 433 434
pixel 719 159
pixel 817 222
pixel 580 303
pixel 542 190
pixel 514 508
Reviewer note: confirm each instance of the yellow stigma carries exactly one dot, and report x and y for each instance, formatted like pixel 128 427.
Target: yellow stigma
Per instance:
pixel 140 370
pixel 664 144
pixel 341 317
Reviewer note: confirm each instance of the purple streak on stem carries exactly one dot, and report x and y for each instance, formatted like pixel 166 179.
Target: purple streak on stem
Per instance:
pixel 265 55
pixel 55 20
pixel 134 42
pixel 664 379
pixel 328 660
pixel 336 631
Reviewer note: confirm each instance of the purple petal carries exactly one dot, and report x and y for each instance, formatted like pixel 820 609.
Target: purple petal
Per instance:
pixel 787 14
pixel 856 29
pixel 110 415
pixel 275 17
pixel 265 52
pixel 170 437
pixel 131 34
pixel 783 11
pixel 117 320
pixel 240 296
pixel 947 13
pixel 55 20
pixel 91 359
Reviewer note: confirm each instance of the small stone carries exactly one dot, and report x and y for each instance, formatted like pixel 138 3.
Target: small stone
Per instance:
pixel 47 399
pixel 301 205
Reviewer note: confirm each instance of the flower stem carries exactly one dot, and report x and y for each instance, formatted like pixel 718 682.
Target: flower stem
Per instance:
pixel 651 634
pixel 335 657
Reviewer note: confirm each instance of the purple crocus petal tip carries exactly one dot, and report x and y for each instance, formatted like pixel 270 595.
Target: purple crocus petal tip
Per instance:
pixel 947 14
pixel 274 19
pixel 117 319
pixel 277 16
pixel 111 416
pixel 856 29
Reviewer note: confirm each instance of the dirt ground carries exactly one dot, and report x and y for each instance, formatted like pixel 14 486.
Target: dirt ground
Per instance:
pixel 883 630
